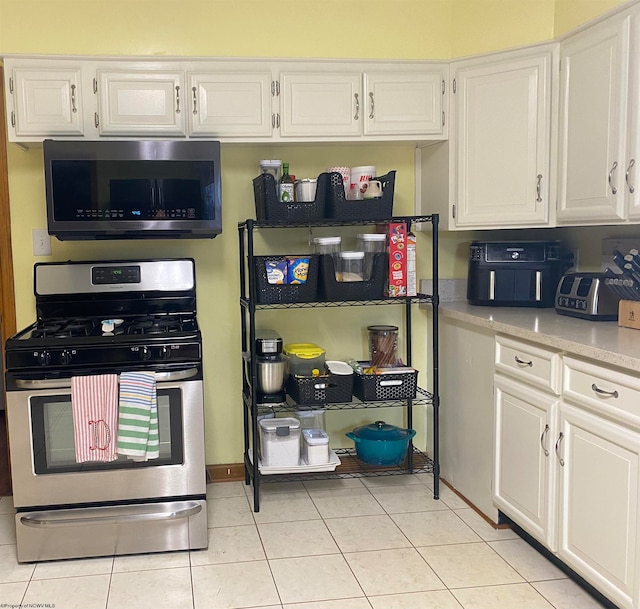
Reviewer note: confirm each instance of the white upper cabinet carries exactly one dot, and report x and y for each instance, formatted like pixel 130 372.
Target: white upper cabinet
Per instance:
pixel 594 96
pixel 319 104
pixel 403 102
pixel 44 99
pixel 231 101
pixel 500 154
pixel 146 101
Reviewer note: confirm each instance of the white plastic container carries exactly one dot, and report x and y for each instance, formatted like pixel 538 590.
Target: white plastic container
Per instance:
pixel 280 442
pixel 351 266
pixel 306 190
pixel 370 244
pixel 311 419
pixel 315 446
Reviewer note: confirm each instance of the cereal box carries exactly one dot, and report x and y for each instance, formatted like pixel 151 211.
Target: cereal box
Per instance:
pixel 397 240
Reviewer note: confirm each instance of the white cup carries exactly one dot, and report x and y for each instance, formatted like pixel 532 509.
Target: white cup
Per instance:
pixel 373 190
pixel 360 177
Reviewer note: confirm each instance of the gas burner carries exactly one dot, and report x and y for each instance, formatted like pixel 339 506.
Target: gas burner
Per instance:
pixel 159 325
pixel 71 328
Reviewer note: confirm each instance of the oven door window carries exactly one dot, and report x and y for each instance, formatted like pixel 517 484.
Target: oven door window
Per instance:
pixel 53 439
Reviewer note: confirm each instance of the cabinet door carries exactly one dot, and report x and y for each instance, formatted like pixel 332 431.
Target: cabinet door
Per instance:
pixel 593 100
pixel 141 102
pixel 501 152
pixel 47 101
pixel 599 503
pixel 322 104
pixel 403 103
pixel 523 468
pixel 230 104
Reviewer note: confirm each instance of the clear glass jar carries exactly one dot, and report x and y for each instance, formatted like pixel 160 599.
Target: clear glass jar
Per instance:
pixel 370 244
pixel 383 346
pixel 351 266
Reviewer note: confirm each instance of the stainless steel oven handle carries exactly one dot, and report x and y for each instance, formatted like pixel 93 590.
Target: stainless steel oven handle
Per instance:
pixel 126 514
pixel 161 377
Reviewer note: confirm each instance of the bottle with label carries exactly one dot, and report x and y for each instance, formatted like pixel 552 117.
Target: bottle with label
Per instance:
pixel 286 185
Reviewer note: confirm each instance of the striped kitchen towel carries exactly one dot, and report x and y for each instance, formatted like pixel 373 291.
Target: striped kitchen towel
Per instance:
pixel 138 416
pixel 94 406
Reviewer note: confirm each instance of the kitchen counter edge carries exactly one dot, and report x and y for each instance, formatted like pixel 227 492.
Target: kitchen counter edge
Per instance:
pixel 604 341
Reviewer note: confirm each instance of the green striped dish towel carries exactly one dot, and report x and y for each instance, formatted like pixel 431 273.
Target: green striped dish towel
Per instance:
pixel 138 416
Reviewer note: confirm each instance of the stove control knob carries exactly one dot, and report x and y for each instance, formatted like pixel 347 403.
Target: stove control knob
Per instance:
pixel 145 353
pixel 65 356
pixel 44 357
pixel 165 352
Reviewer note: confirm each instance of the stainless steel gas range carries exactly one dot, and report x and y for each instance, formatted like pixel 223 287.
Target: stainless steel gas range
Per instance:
pixel 104 322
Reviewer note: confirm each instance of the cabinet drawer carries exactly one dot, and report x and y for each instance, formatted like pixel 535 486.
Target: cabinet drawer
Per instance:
pixel 606 390
pixel 528 363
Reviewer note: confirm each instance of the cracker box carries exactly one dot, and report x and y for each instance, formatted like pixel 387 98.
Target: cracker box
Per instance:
pixel 397 240
pixel 629 314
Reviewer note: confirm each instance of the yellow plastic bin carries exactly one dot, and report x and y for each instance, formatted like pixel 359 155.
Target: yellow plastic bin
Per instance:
pixel 304 358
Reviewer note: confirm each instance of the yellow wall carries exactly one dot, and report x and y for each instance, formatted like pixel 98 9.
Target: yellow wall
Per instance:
pixel 406 29
pixel 572 13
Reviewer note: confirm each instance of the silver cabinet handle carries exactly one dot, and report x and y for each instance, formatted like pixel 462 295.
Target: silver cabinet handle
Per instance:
pixel 96 120
pixel 538 187
pixel 614 190
pixel 357 114
pixel 630 186
pixel 542 440
pixel 195 100
pixel 371 105
pixel 278 120
pixel 177 100
pixel 523 362
pixel 612 394
pixel 558 443
pixel 73 99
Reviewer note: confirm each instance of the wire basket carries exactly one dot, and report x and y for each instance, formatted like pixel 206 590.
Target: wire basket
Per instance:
pixel 269 293
pixel 326 389
pixel 339 208
pixel 270 209
pixel 373 289
pixel 391 386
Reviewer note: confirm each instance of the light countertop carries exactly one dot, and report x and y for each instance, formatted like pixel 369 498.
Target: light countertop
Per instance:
pixel 601 340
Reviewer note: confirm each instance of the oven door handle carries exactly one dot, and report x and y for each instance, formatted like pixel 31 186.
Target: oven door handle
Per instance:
pixel 120 515
pixel 161 377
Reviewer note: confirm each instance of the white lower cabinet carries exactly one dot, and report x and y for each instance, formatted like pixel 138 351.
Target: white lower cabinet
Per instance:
pixel 567 467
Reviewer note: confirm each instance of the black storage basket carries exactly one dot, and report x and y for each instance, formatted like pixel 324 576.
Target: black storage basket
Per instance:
pixel 375 387
pixel 373 289
pixel 270 209
pixel 339 208
pixel 269 293
pixel 326 389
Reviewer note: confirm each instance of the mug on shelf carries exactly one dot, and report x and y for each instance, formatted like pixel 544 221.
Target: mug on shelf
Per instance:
pixel 373 190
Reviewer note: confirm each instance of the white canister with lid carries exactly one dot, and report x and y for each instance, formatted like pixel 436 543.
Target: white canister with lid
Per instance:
pixel 351 266
pixel 330 246
pixel 272 167
pixel 370 244
pixel 306 190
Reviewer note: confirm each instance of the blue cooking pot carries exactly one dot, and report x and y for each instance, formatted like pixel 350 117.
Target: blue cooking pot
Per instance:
pixel 381 444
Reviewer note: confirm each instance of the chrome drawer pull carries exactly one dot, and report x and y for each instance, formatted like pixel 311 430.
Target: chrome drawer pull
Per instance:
pixel 613 394
pixel 523 362
pixel 560 438
pixel 542 437
pixel 614 190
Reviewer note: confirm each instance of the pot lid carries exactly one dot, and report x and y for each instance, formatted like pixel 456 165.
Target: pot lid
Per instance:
pixel 382 431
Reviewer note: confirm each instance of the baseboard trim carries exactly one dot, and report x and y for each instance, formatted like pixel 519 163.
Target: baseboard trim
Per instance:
pixel 475 508
pixel 225 472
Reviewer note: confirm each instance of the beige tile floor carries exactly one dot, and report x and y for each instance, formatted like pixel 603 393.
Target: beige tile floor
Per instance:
pixel 375 543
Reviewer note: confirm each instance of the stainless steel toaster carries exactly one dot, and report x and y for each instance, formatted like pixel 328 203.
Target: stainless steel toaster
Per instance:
pixel 587 296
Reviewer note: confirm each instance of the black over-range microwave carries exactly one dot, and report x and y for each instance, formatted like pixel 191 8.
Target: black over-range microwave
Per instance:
pixel 151 189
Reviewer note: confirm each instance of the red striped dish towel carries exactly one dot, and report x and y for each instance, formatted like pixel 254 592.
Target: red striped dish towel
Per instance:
pixel 138 416
pixel 94 404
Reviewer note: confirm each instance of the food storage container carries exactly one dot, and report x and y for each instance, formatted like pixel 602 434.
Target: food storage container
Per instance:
pixel 311 419
pixel 304 358
pixel 383 345
pixel 351 266
pixel 280 442
pixel 306 190
pixel 370 244
pixel 380 443
pixel 315 446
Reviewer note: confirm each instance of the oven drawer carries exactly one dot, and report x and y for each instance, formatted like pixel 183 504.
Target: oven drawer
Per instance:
pixel 528 363
pixel 113 530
